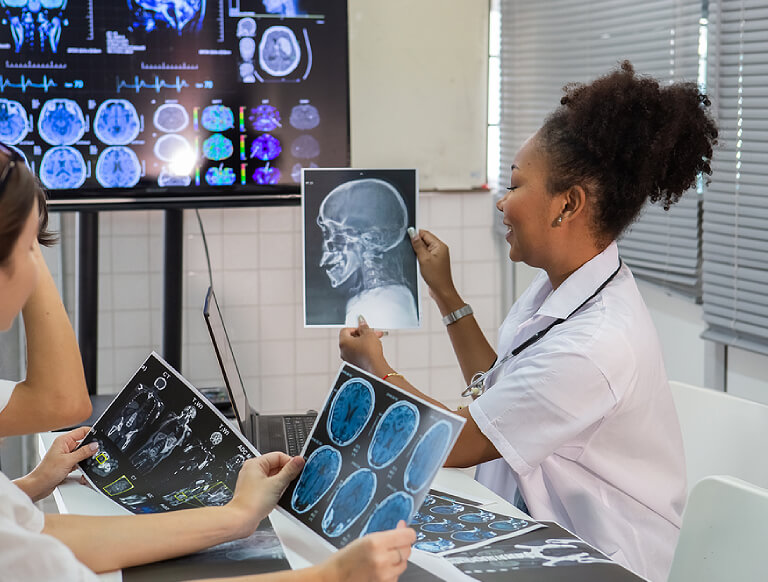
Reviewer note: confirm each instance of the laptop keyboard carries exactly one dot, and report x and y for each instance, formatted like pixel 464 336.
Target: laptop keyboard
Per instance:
pixel 296 430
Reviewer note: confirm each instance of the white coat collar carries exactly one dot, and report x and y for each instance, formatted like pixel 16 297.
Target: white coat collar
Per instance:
pixel 580 284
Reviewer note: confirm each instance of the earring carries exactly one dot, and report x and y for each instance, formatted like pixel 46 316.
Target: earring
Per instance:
pixel 559 220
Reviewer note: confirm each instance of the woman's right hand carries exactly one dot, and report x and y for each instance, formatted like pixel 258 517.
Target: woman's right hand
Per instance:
pixel 434 262
pixel 377 557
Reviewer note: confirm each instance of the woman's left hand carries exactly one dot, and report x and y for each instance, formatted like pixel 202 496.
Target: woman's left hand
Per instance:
pixel 60 460
pixel 362 347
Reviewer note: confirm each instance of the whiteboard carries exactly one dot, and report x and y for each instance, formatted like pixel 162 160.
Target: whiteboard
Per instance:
pixel 419 87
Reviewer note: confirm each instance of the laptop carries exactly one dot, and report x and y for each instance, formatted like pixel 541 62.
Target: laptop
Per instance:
pixel 285 433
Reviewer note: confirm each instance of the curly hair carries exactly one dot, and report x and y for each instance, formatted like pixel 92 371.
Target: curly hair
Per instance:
pixel 624 139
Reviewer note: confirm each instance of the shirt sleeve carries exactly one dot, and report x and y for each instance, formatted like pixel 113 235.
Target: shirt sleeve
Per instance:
pixel 6 389
pixel 541 405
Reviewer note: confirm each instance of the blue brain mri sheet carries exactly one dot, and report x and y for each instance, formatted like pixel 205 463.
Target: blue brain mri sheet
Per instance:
pixel 163 446
pixel 360 474
pixel 446 524
pixel 181 86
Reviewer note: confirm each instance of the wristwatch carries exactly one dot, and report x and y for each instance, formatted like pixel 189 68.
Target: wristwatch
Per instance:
pixel 456 315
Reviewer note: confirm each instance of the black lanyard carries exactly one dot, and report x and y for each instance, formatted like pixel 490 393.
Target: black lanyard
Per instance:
pixel 477 385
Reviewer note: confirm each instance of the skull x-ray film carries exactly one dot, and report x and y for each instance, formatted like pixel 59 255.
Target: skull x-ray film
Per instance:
pixel 163 446
pixel 179 99
pixel 358 258
pixel 548 553
pixel 370 458
pixel 446 524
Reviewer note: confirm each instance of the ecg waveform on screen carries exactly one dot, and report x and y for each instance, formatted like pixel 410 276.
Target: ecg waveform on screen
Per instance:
pixel 26 83
pixel 31 65
pixel 157 85
pixel 169 67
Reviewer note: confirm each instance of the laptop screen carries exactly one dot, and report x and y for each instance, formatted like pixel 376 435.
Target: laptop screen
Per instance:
pixel 226 358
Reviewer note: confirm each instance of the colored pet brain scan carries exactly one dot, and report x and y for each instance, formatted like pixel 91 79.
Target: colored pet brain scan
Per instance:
pixel 14 122
pixel 217 147
pixel 116 122
pixel 218 118
pixel 243 83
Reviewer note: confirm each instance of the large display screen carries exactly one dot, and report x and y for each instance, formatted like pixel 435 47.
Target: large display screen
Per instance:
pixel 174 100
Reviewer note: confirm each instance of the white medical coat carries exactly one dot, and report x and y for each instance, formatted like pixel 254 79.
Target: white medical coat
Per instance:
pixel 584 418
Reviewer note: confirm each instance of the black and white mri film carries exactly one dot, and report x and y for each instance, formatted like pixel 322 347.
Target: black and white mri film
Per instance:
pixel 163 447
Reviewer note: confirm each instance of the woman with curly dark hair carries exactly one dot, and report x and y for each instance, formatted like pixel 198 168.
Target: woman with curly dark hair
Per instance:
pixel 574 420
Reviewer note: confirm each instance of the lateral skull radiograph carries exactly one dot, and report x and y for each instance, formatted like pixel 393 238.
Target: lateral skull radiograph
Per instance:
pixel 163 447
pixel 364 252
pixel 353 481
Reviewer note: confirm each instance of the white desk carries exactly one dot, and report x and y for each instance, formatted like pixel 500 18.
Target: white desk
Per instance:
pixel 301 549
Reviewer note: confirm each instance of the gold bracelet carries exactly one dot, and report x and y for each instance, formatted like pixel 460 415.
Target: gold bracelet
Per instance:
pixel 385 376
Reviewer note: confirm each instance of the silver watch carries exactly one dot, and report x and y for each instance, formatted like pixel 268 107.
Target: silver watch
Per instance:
pixel 456 315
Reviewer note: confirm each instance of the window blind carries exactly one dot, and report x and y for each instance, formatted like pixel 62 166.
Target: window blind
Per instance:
pixel 545 45
pixel 735 206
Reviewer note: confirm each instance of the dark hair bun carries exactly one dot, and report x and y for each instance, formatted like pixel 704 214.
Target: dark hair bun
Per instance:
pixel 627 139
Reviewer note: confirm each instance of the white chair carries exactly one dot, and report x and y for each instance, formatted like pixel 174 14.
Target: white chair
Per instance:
pixel 722 434
pixel 724 533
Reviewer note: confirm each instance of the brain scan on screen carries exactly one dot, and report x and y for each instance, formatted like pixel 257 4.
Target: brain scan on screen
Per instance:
pixel 350 410
pixel 177 15
pixel 118 167
pixel 265 118
pixel 171 147
pixel 394 431
pixel 279 51
pixel 320 472
pixel 304 117
pixel 167 178
pixel 62 168
pixel 171 118
pixel 61 122
pixel 425 457
pixel 116 122
pixel 305 147
pixel 349 502
pixel 220 176
pixel 217 118
pixel 14 122
pixel 266 147
pixel 217 147
pixel 266 175
pixel 389 512
pixel 246 27
pixel 35 25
